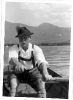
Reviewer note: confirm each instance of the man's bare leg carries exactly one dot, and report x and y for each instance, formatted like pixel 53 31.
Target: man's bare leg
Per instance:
pixel 13 83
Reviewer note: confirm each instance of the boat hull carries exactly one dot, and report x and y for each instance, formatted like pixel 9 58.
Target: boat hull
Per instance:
pixel 55 89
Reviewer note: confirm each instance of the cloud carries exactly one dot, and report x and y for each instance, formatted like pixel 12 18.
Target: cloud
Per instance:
pixel 34 6
pixel 41 12
pixel 46 9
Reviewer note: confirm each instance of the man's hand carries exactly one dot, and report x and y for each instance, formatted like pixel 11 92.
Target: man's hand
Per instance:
pixel 19 69
pixel 48 78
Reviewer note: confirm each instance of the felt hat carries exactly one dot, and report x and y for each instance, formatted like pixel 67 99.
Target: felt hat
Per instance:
pixel 23 32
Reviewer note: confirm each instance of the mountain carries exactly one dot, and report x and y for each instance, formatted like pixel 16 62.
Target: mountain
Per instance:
pixel 44 33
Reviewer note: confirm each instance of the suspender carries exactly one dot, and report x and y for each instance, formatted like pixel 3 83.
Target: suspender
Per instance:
pixel 24 59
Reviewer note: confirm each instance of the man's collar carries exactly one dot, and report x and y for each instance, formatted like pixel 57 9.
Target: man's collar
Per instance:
pixel 20 48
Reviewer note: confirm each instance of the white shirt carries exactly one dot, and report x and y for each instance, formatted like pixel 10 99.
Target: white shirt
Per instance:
pixel 37 51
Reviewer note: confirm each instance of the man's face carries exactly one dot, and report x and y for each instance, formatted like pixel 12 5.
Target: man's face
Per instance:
pixel 24 41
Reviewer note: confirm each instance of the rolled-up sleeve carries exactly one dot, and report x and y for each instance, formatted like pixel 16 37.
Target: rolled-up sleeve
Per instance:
pixel 39 56
pixel 12 53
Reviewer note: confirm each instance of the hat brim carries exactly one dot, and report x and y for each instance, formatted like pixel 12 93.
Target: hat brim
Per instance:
pixel 21 35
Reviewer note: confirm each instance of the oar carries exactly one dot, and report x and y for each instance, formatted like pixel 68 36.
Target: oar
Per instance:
pixel 57 80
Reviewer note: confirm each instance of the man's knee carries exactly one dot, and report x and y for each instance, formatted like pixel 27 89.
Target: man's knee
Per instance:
pixel 13 82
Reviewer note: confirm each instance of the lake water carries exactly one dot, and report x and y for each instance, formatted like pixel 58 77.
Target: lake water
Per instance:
pixel 57 56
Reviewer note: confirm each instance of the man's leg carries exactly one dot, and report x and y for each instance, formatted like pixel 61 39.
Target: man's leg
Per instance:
pixel 13 86
pixel 35 78
pixel 40 88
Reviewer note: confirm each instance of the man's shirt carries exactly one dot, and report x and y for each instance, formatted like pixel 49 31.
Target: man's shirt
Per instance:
pixel 37 52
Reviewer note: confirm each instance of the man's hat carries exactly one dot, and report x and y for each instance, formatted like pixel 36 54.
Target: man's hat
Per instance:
pixel 23 31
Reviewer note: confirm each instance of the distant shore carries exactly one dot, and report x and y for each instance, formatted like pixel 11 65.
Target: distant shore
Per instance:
pixel 42 44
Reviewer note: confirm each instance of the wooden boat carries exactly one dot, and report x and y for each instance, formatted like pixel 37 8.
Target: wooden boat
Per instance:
pixel 57 88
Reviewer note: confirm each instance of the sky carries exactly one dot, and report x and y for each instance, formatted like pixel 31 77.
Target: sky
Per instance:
pixel 34 14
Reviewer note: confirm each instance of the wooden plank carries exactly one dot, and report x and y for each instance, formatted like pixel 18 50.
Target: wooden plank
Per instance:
pixel 57 86
pixel 54 74
pixel 57 80
pixel 57 90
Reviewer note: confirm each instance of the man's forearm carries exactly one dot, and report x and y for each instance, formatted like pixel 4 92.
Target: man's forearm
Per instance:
pixel 14 62
pixel 43 69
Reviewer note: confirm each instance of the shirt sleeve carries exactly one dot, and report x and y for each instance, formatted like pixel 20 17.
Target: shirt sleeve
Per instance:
pixel 13 53
pixel 39 56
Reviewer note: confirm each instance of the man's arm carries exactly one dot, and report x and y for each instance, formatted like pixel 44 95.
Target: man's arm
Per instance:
pixel 43 69
pixel 16 64
pixel 42 63
pixel 39 55
pixel 13 59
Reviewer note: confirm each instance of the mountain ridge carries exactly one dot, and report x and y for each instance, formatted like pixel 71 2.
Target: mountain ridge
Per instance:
pixel 44 33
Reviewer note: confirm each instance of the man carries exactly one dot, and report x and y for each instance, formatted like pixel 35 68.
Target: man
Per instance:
pixel 20 56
